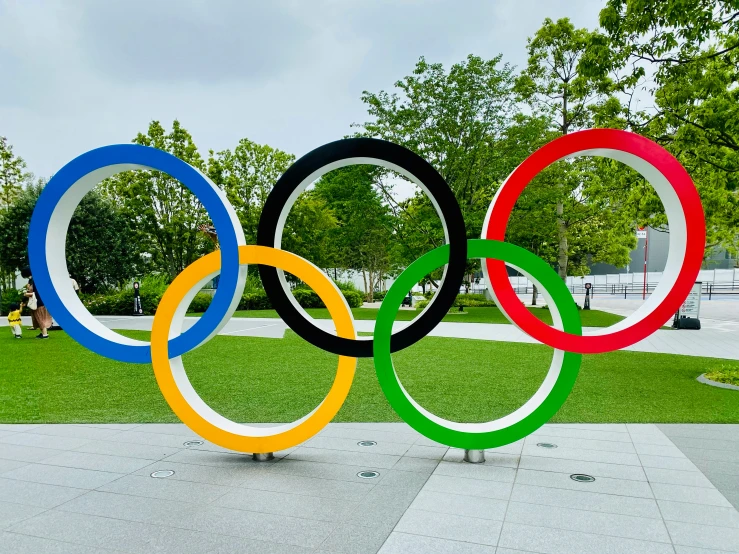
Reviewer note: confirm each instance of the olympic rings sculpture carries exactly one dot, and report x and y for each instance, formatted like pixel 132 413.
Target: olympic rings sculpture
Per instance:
pixel 60 197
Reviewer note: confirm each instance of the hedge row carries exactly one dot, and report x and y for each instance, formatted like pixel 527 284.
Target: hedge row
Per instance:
pixel 466 300
pixel 121 302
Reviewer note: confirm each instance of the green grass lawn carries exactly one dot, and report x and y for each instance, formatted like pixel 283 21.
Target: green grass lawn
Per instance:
pixel 590 318
pixel 256 379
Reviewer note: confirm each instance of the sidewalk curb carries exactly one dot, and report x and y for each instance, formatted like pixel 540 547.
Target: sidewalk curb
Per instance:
pixel 703 379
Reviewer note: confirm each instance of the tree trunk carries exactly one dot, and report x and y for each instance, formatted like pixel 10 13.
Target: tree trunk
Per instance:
pixel 534 294
pixel 562 236
pixel 364 278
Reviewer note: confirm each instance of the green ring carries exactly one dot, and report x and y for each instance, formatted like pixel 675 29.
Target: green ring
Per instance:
pixel 477 436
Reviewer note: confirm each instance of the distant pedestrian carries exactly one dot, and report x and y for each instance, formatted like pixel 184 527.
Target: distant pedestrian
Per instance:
pixel 14 318
pixel 75 286
pixel 40 315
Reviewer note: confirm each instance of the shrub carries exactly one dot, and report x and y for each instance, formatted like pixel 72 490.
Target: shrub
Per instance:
pixel 379 295
pixel 466 300
pixel 11 296
pixel 724 373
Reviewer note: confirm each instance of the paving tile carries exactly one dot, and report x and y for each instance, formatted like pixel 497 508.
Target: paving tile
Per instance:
pixel 369 435
pixel 701 431
pixel 350 445
pixel 425 466
pixel 298 484
pixel 582 444
pixel 177 429
pixel 707 444
pixel 7 465
pixel 623 458
pixel 557 541
pixel 354 539
pixel 137 436
pixel 288 504
pixel 613 427
pixel 643 429
pixel 693 495
pixel 448 526
pixel 428 452
pixel 456 455
pixel 460 505
pixel 679 549
pixel 591 501
pixel 700 514
pixel 128 449
pixel 11 513
pixel 215 459
pixel 476 471
pixel 653 439
pixel 25 544
pixel 382 507
pixel 659 450
pixel 403 543
pixel 265 527
pixel 723 481
pixel 469 487
pixel 138 538
pixel 730 468
pixel 578 433
pixel 405 480
pixel 227 476
pixel 323 471
pixel 704 536
pixel 698 455
pixel 677 477
pixel 322 455
pixel 42 441
pixel 665 462
pixel 596 469
pixel 36 494
pixel 118 426
pixel 630 527
pixel 167 489
pixel 76 431
pixel 622 487
pixel 26 453
pixel 19 427
pixel 63 476
pixel 98 462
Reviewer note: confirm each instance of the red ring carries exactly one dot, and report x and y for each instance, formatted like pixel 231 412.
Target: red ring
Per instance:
pixel 567 145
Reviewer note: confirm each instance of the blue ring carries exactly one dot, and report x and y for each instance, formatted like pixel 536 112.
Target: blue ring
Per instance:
pixel 185 174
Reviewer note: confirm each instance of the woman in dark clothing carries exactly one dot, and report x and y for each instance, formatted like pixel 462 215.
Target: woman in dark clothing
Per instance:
pixel 40 316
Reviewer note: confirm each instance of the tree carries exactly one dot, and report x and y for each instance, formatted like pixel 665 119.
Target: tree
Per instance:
pixel 101 248
pixel 362 240
pixel 685 55
pixel 556 87
pixel 12 174
pixel 247 175
pixel 309 231
pixel 165 212
pixel 455 121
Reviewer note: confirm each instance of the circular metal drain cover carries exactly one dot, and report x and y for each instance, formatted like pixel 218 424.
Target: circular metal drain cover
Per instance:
pixel 546 445
pixel 581 478
pixel 193 443
pixel 162 473
pixel 368 474
pixel 366 443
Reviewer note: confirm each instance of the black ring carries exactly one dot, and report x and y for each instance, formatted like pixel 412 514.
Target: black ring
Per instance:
pixel 437 188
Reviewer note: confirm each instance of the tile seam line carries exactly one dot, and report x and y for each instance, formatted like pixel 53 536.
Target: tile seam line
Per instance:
pixel 659 508
pixel 451 540
pixel 588 511
pixel 61 541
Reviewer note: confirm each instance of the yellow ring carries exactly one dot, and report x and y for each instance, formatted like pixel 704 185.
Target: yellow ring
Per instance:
pixel 202 419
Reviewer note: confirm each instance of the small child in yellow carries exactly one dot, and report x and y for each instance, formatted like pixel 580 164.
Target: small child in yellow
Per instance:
pixel 14 318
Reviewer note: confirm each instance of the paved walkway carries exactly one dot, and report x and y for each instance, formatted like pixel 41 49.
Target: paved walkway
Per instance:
pixel 706 342
pixel 89 489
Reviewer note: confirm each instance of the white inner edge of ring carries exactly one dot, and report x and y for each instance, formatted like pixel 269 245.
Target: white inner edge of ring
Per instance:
pixel 56 256
pixel 193 398
pixel 524 411
pixel 678 234
pixel 317 175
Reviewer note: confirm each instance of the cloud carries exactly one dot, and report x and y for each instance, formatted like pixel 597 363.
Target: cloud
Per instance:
pixel 82 73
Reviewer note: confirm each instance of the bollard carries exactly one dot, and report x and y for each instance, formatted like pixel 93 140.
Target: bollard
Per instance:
pixel 474 456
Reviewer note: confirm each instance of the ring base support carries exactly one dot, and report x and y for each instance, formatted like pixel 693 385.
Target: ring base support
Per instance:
pixel 264 457
pixel 474 456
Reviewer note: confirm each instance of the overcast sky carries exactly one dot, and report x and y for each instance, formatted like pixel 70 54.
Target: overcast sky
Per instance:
pixel 78 74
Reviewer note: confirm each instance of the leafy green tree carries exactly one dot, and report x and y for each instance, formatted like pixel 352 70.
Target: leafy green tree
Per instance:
pixel 685 55
pixel 166 214
pixel 363 238
pixel 557 88
pixel 310 230
pixel 12 174
pixel 101 248
pixel 455 120
pixel 247 175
